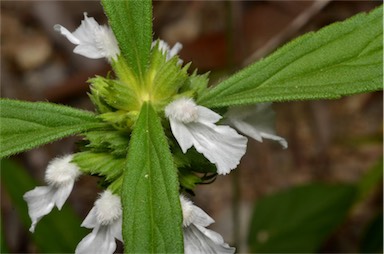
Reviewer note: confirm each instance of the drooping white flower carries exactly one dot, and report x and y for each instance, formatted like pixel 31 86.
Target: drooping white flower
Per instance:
pixel 168 51
pixel 198 239
pixel 256 121
pixel 106 220
pixel 60 175
pixel 92 40
pixel 194 125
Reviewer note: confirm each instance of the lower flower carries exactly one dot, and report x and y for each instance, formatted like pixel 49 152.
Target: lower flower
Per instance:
pixel 105 218
pixel 60 175
pixel 256 122
pixel 197 238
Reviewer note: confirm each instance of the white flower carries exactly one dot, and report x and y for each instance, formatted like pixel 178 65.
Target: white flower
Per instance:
pixel 255 121
pixel 195 125
pixel 92 40
pixel 60 175
pixel 198 239
pixel 167 51
pixel 106 220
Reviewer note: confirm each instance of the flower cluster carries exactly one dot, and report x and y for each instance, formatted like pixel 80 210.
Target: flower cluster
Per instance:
pixel 213 139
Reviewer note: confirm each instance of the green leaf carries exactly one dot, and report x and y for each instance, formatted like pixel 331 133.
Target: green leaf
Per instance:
pixel 300 219
pixel 342 59
pixel 57 232
pixel 25 125
pixel 372 241
pixel 152 213
pixel 131 22
pixel 371 180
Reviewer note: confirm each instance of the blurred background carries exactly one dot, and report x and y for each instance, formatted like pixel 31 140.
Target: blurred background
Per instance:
pixel 322 194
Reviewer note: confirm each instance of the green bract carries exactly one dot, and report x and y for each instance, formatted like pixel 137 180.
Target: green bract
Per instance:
pixel 119 100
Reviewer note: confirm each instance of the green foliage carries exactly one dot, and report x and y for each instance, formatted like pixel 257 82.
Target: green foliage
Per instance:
pixel 198 83
pixel 116 102
pixel 116 94
pixel 298 220
pixel 165 77
pixel 63 225
pixel 3 244
pixel 371 180
pixel 371 183
pixel 102 164
pixel 131 22
pixel 372 241
pixel 151 208
pixel 109 141
pixel 25 125
pixel 342 59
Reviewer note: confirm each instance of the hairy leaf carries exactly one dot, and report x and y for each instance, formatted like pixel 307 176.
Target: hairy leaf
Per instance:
pixel 342 59
pixel 152 215
pixel 131 21
pixel 25 125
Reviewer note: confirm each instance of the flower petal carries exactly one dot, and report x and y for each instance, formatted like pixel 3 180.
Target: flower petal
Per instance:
pixel 279 139
pixel 207 116
pixel 106 220
pixel 64 31
pixel 167 51
pixel 116 229
pixel 89 51
pixel 221 145
pixel 175 50
pixel 214 236
pixel 62 194
pixel 201 218
pixel 40 202
pixel 196 241
pixel 193 214
pixel 182 134
pixel 91 220
pixel 94 41
pixel 99 241
pixel 256 122
pixel 87 30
